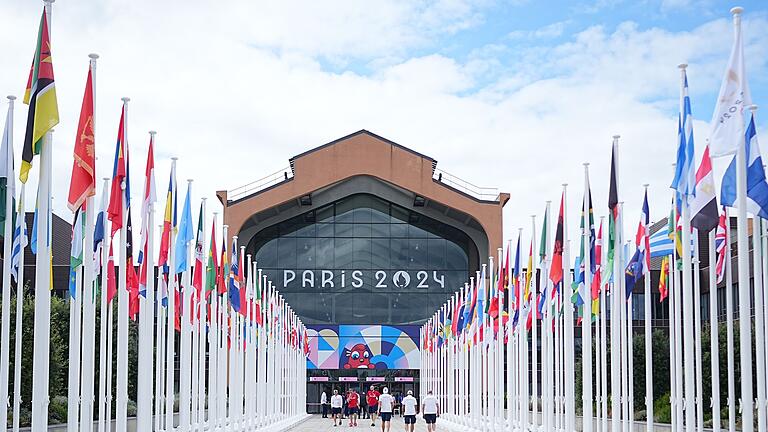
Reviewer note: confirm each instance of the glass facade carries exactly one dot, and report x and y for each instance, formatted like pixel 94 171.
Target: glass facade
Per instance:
pixel 364 260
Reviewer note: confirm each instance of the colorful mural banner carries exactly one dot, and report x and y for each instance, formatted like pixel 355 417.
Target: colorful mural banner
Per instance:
pixel 378 347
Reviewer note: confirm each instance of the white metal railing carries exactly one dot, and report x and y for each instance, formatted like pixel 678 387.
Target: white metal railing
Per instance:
pixel 260 184
pixel 479 192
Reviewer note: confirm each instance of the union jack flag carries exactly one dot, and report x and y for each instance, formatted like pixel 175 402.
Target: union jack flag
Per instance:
pixel 721 245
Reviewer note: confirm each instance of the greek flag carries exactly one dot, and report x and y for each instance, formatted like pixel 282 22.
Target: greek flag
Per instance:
pixel 757 188
pixel 685 179
pixel 19 239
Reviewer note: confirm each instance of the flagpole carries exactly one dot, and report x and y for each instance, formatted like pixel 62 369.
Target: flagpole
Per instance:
pixel 713 333
pixel 21 220
pixel 570 397
pixel 697 332
pixel 103 322
pixel 75 314
pixel 170 365
pixel 603 311
pixel 121 408
pixel 615 321
pixel 546 329
pixel 586 318
pixel 7 244
pixel 213 338
pixel 648 336
pixel 202 320
pixel 185 362
pixel 759 300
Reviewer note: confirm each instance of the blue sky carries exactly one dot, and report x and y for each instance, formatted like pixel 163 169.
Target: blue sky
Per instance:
pixel 513 94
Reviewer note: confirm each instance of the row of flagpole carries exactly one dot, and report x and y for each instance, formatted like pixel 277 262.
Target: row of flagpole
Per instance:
pixel 241 363
pixel 523 314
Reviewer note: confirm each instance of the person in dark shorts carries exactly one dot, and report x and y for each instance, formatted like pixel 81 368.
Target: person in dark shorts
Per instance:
pixel 372 397
pixel 336 403
pixel 431 409
pixel 386 403
pixel 324 403
pixel 409 405
pixel 353 406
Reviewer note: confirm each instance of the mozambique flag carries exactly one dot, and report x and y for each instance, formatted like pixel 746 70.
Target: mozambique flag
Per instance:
pixel 40 95
pixel 613 214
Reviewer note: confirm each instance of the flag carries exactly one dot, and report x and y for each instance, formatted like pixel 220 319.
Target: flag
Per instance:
pixel 757 188
pixel 613 214
pixel 185 235
pixel 83 182
pixel 663 278
pixel 7 176
pixel 99 230
pixel 76 251
pixel 728 117
pixel 661 244
pixel 33 239
pixel 234 280
pixel 544 231
pixel 704 204
pixel 556 270
pixel 40 95
pixel 516 283
pixel 597 277
pixel 640 263
pixel 19 239
pixel 197 277
pixel 224 269
pixel 685 180
pixel 111 279
pixel 116 202
pixel 213 264
pixel 169 219
pixel 131 278
pixel 258 294
pixel 721 246
pixel 149 198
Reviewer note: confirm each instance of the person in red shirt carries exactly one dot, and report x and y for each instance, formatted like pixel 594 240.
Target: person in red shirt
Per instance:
pixel 372 397
pixel 353 404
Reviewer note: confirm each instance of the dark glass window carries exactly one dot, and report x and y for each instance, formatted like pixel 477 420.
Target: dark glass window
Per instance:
pixel 364 260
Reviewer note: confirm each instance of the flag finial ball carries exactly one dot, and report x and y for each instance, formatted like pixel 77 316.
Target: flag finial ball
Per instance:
pixel 738 10
pixel 153 133
pixel 752 107
pixel 616 136
pixel 190 180
pixel 125 99
pixel 682 65
pixel 646 185
pixel 11 97
pixel 93 56
pixel 174 158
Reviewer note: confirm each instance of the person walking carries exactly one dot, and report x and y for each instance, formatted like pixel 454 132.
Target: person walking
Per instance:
pixel 431 410
pixel 353 405
pixel 324 404
pixel 372 398
pixel 363 406
pixel 336 402
pixel 386 402
pixel 409 405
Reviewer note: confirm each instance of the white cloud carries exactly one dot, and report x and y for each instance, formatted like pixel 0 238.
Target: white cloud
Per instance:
pixel 234 91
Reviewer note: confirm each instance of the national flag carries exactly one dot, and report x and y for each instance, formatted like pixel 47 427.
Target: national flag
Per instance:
pixel 516 283
pixel 757 188
pixel 169 219
pixel 197 277
pixel 7 175
pixel 149 198
pixel 613 213
pixel 259 293
pixel 116 201
pixel 456 316
pixel 224 269
pixel 99 231
pixel 704 204
pixel 19 239
pixel 597 277
pixel 76 251
pixel 111 278
pixel 661 244
pixel 663 278
pixel 721 246
pixel 544 237
pixel 185 235
pixel 40 95
pixel 728 116
pixel 556 269
pixel 131 278
pixel 33 239
pixel 243 285
pixel 213 262
pixel 83 182
pixel 529 277
pixel 234 280
pixel 685 180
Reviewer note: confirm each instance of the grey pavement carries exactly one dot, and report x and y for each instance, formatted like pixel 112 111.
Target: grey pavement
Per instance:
pixel 319 424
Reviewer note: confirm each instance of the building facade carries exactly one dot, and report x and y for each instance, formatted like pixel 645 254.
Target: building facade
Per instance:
pixel 365 239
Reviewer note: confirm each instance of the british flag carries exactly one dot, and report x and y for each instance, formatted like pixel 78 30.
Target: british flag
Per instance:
pixel 721 244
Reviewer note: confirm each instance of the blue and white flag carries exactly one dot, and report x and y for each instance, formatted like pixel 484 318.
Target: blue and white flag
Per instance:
pixel 661 244
pixel 19 238
pixel 186 235
pixel 757 188
pixel 685 179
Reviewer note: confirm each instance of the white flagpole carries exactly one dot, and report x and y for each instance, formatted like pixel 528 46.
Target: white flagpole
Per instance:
pixel 533 309
pixel 603 308
pixel 570 376
pixel 697 333
pixel 160 349
pixel 170 352
pixel 648 343
pixel 499 349
pixel 121 407
pixel 616 306
pixel 213 346
pixel 547 359
pixel 146 326
pixel 745 321
pixel 42 324
pixel 185 363
pixel 729 308
pixel 21 215
pixel 75 315
pixel 104 322
pixel 201 330
pixel 713 333
pixel 586 318
pixel 89 297
pixel 7 245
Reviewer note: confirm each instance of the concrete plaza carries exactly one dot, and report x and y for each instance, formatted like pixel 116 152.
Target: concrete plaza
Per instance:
pixel 318 424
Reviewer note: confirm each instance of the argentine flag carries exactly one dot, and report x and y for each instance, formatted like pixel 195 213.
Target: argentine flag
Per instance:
pixel 757 188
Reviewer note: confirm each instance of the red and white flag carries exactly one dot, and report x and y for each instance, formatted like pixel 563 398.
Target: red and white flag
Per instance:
pixel 150 196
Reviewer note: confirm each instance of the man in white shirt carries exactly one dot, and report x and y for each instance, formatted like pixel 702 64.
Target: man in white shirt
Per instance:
pixel 409 411
pixel 430 409
pixel 336 403
pixel 324 404
pixel 386 402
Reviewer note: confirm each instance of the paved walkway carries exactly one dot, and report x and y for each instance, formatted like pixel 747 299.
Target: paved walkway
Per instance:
pixel 318 424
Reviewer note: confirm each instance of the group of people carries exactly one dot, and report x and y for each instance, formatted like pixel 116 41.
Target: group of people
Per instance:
pixel 380 405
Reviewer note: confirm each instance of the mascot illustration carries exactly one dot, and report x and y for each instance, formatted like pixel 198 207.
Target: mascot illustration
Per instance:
pixel 359 357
